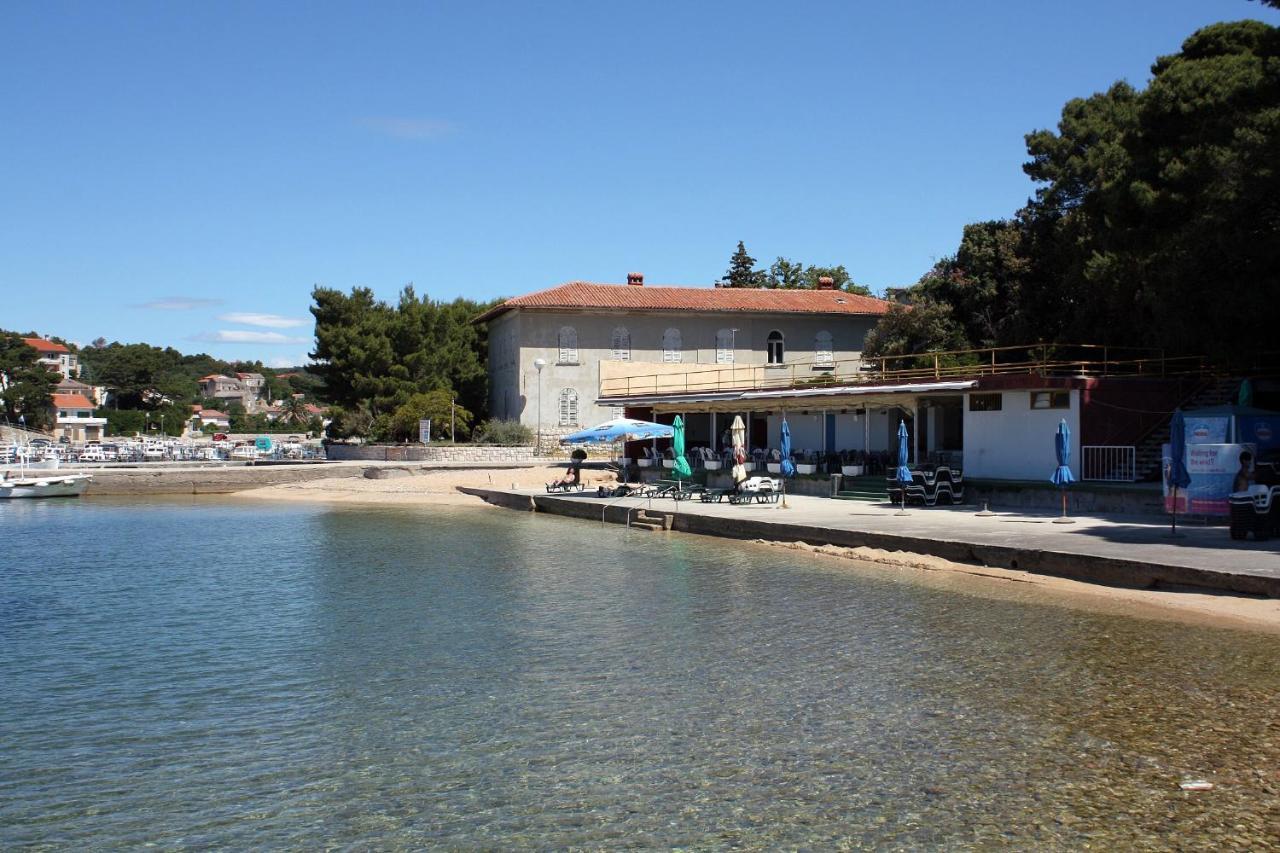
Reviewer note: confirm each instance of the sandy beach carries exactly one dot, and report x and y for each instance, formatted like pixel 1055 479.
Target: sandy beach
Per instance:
pixel 439 487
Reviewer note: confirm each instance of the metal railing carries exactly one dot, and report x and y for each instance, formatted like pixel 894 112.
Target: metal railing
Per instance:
pixel 1044 360
pixel 1111 463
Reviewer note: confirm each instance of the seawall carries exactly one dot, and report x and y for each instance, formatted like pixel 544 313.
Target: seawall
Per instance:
pixel 1140 571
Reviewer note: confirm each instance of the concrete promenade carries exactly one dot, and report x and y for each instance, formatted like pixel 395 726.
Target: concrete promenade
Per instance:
pixel 1132 551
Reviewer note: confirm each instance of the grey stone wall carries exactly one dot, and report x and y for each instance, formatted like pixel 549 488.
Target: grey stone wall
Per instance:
pixel 430 453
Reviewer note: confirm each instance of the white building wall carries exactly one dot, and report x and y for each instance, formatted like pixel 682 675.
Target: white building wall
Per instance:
pixel 1016 443
pixel 518 337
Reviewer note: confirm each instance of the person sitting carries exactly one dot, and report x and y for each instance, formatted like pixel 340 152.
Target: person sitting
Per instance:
pixel 572 477
pixel 1243 476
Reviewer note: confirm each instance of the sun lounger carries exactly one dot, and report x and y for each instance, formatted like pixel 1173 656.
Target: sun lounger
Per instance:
pixel 553 488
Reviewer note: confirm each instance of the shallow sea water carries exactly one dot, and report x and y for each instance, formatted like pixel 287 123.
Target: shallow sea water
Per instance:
pixel 218 674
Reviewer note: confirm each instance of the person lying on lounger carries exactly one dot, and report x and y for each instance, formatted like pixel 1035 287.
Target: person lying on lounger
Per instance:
pixel 570 478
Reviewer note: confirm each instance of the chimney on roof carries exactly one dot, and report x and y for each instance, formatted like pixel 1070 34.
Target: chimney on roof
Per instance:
pixel 826 282
pixel 635 279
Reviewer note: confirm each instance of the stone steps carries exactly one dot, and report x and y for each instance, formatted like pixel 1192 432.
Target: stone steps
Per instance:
pixel 646 521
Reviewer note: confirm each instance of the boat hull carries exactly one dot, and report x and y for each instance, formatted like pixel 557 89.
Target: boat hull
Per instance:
pixel 65 486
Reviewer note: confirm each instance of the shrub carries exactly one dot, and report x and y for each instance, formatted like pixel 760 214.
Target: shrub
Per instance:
pixel 437 405
pixel 507 433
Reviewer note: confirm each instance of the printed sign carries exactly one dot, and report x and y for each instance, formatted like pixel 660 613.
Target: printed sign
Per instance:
pixel 424 430
pixel 1212 468
pixel 1262 430
pixel 1207 430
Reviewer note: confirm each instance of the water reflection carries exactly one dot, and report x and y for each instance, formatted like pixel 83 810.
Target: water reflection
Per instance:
pixel 205 673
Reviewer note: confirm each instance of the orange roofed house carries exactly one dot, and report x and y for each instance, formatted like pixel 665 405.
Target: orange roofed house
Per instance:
pixel 56 357
pixel 587 336
pixel 74 419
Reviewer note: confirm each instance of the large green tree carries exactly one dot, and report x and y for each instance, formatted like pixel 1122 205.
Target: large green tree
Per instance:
pixel 373 357
pixel 26 386
pixel 1155 223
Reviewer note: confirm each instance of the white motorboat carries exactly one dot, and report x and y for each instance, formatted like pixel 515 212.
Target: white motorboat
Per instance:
pixel 42 480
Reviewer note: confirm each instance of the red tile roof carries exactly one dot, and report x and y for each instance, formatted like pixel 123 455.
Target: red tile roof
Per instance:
pixel 71 401
pixel 579 295
pixel 211 414
pixel 44 346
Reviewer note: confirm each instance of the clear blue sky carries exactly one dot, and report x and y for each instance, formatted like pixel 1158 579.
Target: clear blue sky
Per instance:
pixel 171 171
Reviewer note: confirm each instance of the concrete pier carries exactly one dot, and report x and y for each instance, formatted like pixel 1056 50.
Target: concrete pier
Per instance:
pixel 1131 551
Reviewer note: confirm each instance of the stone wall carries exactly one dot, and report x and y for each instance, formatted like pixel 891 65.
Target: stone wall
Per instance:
pixel 429 453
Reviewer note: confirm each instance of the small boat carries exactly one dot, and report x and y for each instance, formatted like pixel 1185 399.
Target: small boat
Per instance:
pixel 41 479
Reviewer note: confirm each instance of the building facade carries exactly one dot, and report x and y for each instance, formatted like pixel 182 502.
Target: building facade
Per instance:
pixel 550 351
pixel 74 419
pixel 56 357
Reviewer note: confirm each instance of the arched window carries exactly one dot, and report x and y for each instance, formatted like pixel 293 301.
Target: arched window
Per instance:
pixel 724 346
pixel 568 407
pixel 672 349
pixel 822 352
pixel 620 344
pixel 776 348
pixel 568 345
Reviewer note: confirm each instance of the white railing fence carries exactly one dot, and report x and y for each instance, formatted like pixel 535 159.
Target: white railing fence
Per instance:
pixel 1115 463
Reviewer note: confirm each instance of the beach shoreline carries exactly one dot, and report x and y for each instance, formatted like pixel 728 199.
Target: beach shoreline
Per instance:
pixel 1190 606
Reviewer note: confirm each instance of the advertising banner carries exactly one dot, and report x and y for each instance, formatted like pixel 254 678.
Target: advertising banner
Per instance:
pixel 424 431
pixel 1210 429
pixel 1260 430
pixel 1212 468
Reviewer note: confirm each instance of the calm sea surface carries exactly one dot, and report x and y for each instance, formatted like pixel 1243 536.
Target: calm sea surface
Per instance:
pixel 196 674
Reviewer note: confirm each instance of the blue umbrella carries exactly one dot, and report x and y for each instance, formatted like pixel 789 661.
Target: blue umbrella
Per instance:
pixel 619 429
pixel 1062 476
pixel 902 473
pixel 788 468
pixel 1179 477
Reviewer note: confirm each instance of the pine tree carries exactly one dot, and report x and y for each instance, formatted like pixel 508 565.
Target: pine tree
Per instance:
pixel 742 270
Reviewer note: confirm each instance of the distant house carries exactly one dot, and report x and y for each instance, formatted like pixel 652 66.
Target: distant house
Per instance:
pixel 97 393
pixel 254 383
pixel 201 416
pixel 55 356
pixel 74 419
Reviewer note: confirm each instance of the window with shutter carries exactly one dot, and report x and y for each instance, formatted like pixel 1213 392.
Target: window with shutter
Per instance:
pixel 621 344
pixel 568 407
pixel 724 346
pixel 822 350
pixel 568 345
pixel 672 346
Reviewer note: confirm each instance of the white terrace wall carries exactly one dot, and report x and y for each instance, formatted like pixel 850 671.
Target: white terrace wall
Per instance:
pixel 1016 443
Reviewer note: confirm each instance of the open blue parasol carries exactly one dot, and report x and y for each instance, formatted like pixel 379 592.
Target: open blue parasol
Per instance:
pixel 619 429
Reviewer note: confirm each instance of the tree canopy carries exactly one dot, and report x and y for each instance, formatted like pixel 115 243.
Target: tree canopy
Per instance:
pixel 373 357
pixel 26 386
pixel 1156 221
pixel 786 274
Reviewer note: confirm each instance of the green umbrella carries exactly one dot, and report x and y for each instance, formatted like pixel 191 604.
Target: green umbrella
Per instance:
pixel 1246 393
pixel 681 469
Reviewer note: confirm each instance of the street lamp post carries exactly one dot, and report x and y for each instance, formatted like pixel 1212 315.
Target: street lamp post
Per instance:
pixel 538 364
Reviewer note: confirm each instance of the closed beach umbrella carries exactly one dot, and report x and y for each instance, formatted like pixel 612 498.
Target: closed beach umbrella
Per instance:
pixel 902 473
pixel 1179 477
pixel 738 436
pixel 681 468
pixel 1062 475
pixel 1245 398
pixel 788 467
